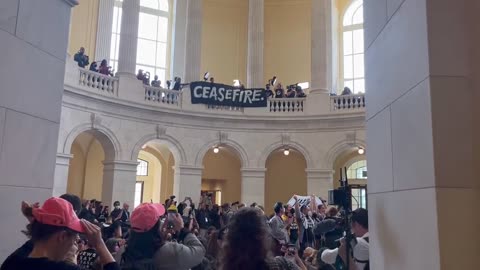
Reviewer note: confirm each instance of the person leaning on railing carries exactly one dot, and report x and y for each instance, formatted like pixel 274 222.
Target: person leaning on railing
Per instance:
pixel 81 58
pixel 104 68
pixel 268 91
pixel 346 91
pixel 279 92
pixel 300 93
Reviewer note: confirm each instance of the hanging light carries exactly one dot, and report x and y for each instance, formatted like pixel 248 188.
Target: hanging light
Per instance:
pixel 286 151
pixel 361 151
pixel 216 150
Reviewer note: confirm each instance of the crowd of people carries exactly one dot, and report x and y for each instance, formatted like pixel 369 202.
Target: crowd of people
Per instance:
pixel 293 91
pixel 175 84
pixel 83 60
pixel 273 88
pixel 67 234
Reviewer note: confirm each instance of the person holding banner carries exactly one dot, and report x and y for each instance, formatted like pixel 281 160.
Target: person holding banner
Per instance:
pixel 304 219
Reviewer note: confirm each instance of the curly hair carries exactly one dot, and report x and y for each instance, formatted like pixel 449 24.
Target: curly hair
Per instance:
pixel 246 243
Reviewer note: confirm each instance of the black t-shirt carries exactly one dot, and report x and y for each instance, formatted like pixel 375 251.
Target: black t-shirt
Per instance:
pixel 86 259
pixel 21 252
pixel 37 263
pixel 44 263
pixel 269 92
pixel 279 93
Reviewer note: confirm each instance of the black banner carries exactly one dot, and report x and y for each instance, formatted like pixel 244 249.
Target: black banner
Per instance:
pixel 226 95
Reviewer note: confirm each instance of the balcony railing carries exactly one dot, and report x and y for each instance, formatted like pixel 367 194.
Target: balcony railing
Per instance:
pixel 288 105
pixel 105 84
pixel 347 102
pixel 163 96
pixel 130 89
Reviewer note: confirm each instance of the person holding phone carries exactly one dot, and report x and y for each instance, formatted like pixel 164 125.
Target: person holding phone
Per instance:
pixel 291 254
pixel 147 249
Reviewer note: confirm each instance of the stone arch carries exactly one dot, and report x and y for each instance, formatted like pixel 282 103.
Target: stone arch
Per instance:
pixel 240 151
pixel 173 145
pixel 277 145
pixel 355 159
pixel 340 148
pixel 104 135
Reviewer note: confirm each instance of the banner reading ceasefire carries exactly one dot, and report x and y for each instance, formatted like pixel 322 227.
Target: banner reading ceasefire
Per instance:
pixel 225 95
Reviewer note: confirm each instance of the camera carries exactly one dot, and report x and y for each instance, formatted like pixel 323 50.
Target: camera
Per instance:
pixel 342 197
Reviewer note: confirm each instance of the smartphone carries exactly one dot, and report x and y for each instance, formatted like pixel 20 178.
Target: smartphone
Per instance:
pixel 170 219
pixel 291 250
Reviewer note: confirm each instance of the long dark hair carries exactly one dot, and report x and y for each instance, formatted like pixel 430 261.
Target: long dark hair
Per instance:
pixel 143 245
pixel 246 242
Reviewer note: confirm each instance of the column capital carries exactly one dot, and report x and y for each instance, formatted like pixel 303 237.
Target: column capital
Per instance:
pixel 190 170
pixel 64 159
pixel 253 172
pixel 120 165
pixel 319 173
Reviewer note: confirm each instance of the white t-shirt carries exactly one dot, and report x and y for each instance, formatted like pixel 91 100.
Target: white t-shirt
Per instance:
pixel 360 253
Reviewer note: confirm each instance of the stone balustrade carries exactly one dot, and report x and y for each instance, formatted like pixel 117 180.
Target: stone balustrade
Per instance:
pixel 163 96
pixel 102 83
pixel 286 105
pixel 129 89
pixel 347 102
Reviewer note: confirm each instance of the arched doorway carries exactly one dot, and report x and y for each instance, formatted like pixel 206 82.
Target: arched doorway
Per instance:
pixel 155 173
pixel 356 165
pixel 285 176
pixel 85 175
pixel 221 174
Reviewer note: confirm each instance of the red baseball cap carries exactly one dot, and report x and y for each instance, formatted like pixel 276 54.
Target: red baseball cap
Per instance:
pixel 58 212
pixel 145 216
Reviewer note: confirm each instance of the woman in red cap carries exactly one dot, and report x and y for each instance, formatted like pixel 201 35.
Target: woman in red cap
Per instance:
pixel 54 231
pixel 147 248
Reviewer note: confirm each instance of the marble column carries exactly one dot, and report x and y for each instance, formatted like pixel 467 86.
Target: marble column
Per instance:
pixel 119 179
pixel 33 41
pixel 127 57
pixel 421 139
pixel 104 29
pixel 61 174
pixel 179 39
pixel 319 182
pixel 321 46
pixel 193 46
pixel 255 44
pixel 188 182
pixel 253 186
